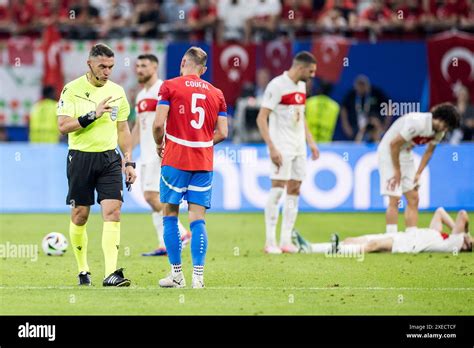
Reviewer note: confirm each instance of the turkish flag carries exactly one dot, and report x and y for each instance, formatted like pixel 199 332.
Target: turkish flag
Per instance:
pixel 276 56
pixel 20 51
pixel 232 65
pixel 53 73
pixel 451 65
pixel 330 52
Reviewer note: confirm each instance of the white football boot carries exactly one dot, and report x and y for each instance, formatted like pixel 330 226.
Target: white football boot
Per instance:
pixel 198 282
pixel 173 281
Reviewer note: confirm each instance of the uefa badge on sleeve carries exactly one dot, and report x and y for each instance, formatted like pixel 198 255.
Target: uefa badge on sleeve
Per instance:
pixel 113 114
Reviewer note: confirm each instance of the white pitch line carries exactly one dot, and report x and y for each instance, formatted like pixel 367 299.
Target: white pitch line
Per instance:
pixel 244 288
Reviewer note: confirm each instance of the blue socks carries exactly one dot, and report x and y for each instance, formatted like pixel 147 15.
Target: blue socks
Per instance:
pixel 198 242
pixel 172 239
pixel 173 244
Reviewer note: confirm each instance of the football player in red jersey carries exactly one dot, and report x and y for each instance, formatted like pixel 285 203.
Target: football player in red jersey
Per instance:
pixel 396 163
pixel 191 118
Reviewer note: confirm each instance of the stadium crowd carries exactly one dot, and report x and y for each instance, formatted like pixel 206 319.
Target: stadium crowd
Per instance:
pixel 243 20
pixel 257 21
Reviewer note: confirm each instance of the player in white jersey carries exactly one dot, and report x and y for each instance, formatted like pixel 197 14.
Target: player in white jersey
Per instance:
pixel 431 239
pixel 147 74
pixel 396 164
pixel 283 126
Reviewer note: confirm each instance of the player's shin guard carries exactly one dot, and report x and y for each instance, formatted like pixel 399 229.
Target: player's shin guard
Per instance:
pixel 271 215
pixel 110 245
pixel 198 245
pixel 78 235
pixel 290 211
pixel 172 241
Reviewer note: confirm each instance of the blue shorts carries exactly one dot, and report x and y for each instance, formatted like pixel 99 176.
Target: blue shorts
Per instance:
pixel 193 186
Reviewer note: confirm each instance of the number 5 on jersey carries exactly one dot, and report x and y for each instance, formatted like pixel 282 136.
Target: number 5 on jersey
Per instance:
pixel 198 109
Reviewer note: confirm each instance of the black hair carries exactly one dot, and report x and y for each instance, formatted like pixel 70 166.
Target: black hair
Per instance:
pixel 448 113
pixel 149 56
pixel 101 49
pixel 305 57
pixel 48 92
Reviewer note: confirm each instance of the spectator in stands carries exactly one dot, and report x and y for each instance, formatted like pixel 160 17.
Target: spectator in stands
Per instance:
pixel 360 105
pixel 5 22
pixel 443 14
pixel 146 18
pixel 51 12
pixel 376 18
pixel 43 119
pixel 176 15
pixel 84 20
pixel 371 132
pixel 296 17
pixel 408 14
pixel 452 11
pixel 264 19
pixel 466 110
pixel 117 18
pixel 247 107
pixel 203 20
pixel 234 24
pixel 338 16
pixel 467 23
pixel 321 113
pixel 3 134
pixel 263 77
pixel 23 15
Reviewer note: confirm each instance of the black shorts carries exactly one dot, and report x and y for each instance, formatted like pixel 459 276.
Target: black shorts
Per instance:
pixel 89 171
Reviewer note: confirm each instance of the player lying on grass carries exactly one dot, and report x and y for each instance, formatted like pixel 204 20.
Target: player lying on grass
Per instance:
pixel 431 239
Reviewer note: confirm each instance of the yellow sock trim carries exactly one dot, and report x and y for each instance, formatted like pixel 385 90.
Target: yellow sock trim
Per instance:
pixel 110 245
pixel 78 236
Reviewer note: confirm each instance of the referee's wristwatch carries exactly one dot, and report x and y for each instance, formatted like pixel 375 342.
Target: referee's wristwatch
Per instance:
pixel 132 164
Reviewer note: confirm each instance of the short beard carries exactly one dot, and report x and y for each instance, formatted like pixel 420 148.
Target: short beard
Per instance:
pixel 144 79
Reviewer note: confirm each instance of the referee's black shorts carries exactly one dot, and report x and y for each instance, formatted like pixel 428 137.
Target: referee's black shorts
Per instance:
pixel 89 171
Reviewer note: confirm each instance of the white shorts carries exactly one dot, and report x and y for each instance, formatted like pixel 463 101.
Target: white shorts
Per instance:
pixel 292 168
pixel 150 176
pixel 386 171
pixel 403 242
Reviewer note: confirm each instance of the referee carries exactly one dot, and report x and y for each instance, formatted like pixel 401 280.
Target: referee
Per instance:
pixel 94 112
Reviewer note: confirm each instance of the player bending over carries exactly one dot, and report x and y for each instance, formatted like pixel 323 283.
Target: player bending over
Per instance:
pixel 396 164
pixel 146 69
pixel 431 239
pixel 283 126
pixel 193 115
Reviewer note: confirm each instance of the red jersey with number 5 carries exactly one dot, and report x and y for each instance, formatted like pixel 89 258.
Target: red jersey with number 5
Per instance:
pixel 195 105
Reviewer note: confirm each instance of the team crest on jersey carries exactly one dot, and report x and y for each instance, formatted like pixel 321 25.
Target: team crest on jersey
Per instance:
pixel 87 94
pixel 113 114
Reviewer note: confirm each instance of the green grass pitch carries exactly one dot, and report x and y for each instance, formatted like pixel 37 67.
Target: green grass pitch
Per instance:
pixel 240 278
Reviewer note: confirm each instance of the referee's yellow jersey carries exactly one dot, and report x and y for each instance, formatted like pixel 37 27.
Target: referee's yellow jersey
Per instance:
pixel 79 97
